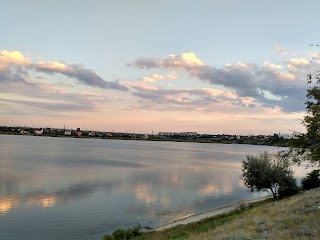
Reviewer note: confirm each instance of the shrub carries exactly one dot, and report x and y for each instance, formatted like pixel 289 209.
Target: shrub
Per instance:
pixel 119 234
pixel 288 187
pixel 122 234
pixel 107 237
pixel 128 234
pixel 266 172
pixel 136 231
pixel 312 180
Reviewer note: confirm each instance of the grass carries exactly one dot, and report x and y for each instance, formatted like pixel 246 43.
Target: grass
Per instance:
pixel 297 217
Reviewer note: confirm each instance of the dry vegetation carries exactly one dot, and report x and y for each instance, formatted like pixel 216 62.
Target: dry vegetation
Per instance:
pixel 297 217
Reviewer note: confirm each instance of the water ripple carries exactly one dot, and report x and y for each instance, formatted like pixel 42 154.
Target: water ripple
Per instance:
pixel 71 162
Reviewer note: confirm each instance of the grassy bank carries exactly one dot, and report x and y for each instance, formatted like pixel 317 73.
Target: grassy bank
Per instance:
pixel 297 217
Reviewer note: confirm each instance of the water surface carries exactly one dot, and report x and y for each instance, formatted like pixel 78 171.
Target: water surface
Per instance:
pixel 69 188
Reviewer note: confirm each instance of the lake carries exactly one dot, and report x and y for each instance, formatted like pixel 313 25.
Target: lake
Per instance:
pixel 71 188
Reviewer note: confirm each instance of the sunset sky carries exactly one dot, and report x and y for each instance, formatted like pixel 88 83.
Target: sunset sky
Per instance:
pixel 215 66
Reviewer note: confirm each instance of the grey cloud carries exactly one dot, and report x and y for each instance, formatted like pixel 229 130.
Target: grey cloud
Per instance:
pixel 83 75
pixel 39 98
pixel 161 107
pixel 74 106
pixel 13 74
pixel 146 63
pixel 181 100
pixel 91 78
pixel 239 80
pixel 247 81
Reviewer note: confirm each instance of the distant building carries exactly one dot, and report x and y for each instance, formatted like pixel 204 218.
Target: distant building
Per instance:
pixel 38 131
pixel 67 132
pixel 78 132
pixel 286 136
pixel 188 133
pixel 145 136
pixel 166 133
pixel 178 133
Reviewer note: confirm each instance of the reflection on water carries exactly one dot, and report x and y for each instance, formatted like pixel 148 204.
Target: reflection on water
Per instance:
pixel 62 188
pixel 44 201
pixel 6 204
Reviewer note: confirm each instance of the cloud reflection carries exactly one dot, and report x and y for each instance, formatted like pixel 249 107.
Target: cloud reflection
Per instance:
pixel 45 201
pixel 144 192
pixel 50 199
pixel 7 204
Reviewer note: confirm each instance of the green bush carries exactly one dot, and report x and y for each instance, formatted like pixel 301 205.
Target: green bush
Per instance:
pixel 312 180
pixel 107 237
pixel 122 234
pixel 266 172
pixel 129 234
pixel 288 187
pixel 136 231
pixel 119 234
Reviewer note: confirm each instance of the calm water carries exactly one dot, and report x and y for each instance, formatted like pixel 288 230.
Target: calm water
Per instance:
pixel 63 188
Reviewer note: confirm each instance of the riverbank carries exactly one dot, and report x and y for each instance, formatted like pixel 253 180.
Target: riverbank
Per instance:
pixel 274 140
pixel 296 217
pixel 212 213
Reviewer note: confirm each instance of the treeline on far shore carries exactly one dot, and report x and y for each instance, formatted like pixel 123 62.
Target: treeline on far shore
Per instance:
pixel 270 140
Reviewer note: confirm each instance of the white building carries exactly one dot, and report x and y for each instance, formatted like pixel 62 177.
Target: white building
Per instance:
pixel 67 132
pixel 38 131
pixel 178 133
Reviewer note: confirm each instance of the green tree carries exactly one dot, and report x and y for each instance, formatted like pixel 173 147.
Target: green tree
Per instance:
pixel 107 237
pixel 312 180
pixel 267 172
pixel 306 146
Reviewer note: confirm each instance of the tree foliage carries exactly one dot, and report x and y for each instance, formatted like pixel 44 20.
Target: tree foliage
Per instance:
pixel 306 146
pixel 124 234
pixel 312 180
pixel 266 172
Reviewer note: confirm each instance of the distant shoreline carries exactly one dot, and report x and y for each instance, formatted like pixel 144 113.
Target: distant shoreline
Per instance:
pixel 248 142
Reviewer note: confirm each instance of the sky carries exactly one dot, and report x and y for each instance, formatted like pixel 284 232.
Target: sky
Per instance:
pixel 209 66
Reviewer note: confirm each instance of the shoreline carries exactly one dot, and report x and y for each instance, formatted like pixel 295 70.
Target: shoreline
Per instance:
pixel 253 142
pixel 210 213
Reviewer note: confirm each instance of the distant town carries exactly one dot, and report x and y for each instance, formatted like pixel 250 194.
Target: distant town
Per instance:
pixel 270 140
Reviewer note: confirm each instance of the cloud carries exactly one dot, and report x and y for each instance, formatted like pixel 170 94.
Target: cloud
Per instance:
pixel 280 49
pixel 12 66
pixel 200 99
pixel 49 98
pixel 14 57
pixel 172 76
pixel 183 61
pixel 154 78
pixel 23 92
pixel 15 67
pixel 61 106
pixel 298 61
pixel 50 67
pixel 77 71
pixel 286 85
pixel 272 66
pixel 157 77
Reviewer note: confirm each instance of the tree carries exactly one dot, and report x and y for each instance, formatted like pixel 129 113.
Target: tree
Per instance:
pixel 306 146
pixel 266 172
pixel 312 180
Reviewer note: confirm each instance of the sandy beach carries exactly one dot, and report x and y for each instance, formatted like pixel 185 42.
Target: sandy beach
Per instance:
pixel 210 213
